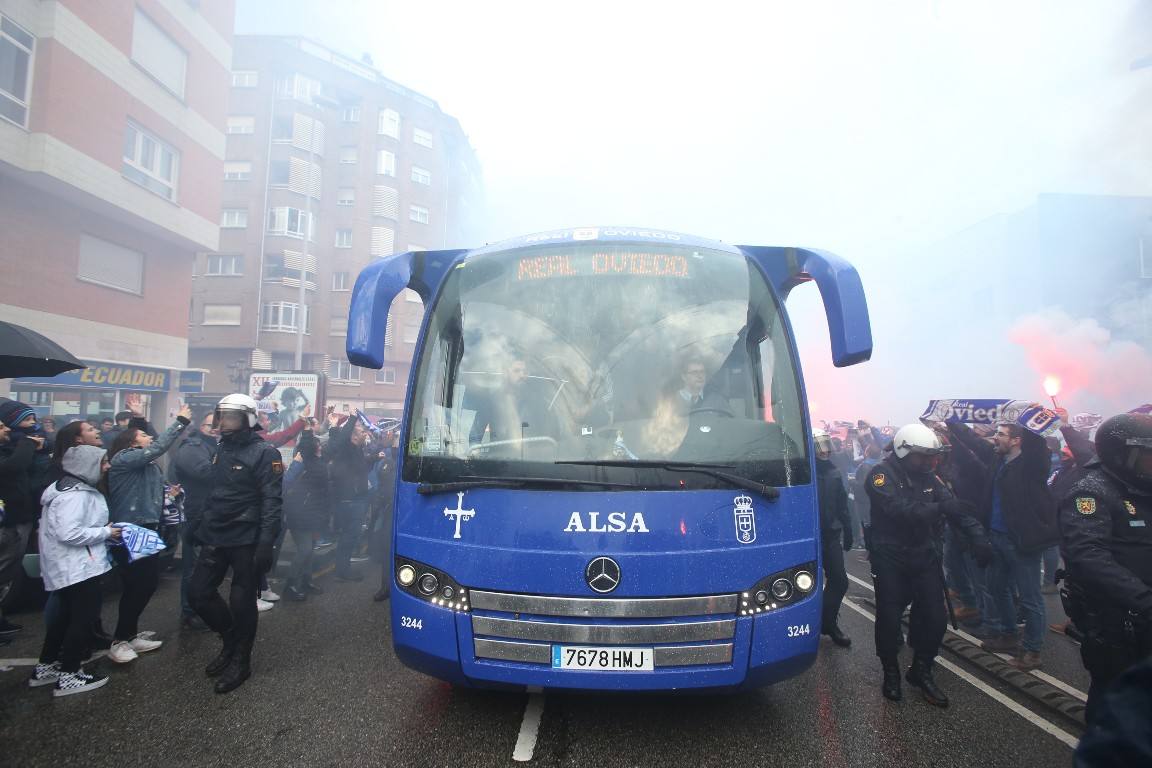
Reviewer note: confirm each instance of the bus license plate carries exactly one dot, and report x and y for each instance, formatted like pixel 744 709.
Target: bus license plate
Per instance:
pixel 598 658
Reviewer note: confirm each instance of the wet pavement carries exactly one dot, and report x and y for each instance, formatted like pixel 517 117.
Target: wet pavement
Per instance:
pixel 326 690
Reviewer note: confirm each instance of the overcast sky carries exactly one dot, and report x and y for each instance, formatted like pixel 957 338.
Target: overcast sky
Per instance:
pixel 866 128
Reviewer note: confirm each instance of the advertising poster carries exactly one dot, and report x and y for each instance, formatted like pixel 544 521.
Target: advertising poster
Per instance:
pixel 286 396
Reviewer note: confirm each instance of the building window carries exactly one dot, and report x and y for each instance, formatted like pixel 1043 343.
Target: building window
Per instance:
pixel 110 265
pixel 15 69
pixel 224 264
pixel 150 162
pixel 421 175
pixel 342 370
pixel 422 137
pixel 291 222
pixel 388 123
pixel 282 128
pixel 343 238
pixel 346 196
pixel 299 87
pixel 245 78
pixel 340 281
pixel 278 174
pixel 221 314
pixel 338 325
pixel 383 241
pixel 348 155
pixel 411 333
pixel 234 218
pixel 237 171
pixel 411 296
pixel 241 124
pixel 385 202
pixel 284 268
pixel 351 114
pixel 418 213
pixel 385 163
pixel 157 54
pixel 280 316
pixel 388 332
pixel 386 376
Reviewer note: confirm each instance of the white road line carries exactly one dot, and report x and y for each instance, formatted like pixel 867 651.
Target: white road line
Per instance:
pixel 4 663
pixel 1055 682
pixel 1024 712
pixel 529 727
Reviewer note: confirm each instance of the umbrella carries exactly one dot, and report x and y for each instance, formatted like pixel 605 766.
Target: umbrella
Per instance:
pixel 23 352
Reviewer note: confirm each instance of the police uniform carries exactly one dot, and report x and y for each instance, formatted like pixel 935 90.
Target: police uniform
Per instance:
pixel 1106 530
pixel 909 510
pixel 238 530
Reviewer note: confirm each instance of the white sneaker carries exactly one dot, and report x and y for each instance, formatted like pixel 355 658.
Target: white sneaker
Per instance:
pixel 141 643
pixel 264 605
pixel 122 652
pixel 269 596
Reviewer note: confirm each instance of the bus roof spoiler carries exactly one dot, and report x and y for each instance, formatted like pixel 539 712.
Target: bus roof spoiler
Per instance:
pixel 377 286
pixel 840 288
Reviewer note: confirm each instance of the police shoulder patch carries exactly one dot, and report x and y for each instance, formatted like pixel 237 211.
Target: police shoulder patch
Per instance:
pixel 879 480
pixel 278 466
pixel 1086 505
pixel 1130 507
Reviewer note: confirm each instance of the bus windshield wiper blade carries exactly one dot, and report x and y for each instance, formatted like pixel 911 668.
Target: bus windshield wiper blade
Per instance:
pixel 713 470
pixel 467 482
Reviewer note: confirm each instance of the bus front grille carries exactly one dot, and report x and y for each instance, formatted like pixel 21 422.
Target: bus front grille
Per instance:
pixel 695 635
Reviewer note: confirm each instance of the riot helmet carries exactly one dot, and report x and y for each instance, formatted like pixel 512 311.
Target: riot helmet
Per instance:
pixel 1124 447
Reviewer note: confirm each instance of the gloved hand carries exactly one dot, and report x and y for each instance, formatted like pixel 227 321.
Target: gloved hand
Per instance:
pixel 958 507
pixel 262 561
pixel 982 552
pixel 847 540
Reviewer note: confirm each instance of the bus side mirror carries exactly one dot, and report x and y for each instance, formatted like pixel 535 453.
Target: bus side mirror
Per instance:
pixel 845 305
pixel 376 286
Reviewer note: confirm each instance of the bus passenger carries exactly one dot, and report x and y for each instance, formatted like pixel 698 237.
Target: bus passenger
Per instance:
pixel 513 411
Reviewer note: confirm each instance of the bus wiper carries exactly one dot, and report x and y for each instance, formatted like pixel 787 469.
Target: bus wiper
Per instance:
pixel 713 470
pixel 467 482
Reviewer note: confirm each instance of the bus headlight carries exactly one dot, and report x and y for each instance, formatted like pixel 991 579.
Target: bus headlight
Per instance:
pixel 430 584
pixel 406 575
pixel 780 590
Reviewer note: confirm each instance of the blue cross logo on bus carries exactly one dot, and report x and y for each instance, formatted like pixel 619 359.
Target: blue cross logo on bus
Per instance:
pixel 459 513
pixel 745 520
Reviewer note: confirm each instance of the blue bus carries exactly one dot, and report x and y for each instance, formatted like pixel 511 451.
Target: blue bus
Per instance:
pixel 606 470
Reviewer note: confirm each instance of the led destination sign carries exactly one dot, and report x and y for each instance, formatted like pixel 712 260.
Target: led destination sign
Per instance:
pixel 592 263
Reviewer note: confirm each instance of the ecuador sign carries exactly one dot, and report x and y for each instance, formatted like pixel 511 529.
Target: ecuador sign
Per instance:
pixel 104 376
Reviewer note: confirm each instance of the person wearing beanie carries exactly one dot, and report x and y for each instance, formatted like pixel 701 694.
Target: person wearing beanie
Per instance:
pixel 19 460
pixel 73 557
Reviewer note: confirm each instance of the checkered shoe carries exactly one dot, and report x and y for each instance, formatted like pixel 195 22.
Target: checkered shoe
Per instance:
pixel 44 674
pixel 78 682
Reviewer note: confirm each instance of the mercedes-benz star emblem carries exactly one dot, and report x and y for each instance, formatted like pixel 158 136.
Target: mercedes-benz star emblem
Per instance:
pixel 603 574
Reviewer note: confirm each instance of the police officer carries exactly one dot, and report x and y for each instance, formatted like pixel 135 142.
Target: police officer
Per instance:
pixel 909 506
pixel 237 532
pixel 835 536
pixel 1106 531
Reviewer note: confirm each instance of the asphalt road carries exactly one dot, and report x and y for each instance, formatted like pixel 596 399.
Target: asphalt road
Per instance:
pixel 327 691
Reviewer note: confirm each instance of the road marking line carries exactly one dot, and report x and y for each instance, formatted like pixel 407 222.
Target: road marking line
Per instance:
pixel 1024 712
pixel 19 662
pixel 529 727
pixel 1055 682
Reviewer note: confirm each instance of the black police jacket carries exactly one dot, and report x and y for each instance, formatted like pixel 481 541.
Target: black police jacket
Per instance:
pixel 1106 531
pixel 832 498
pixel 192 467
pixel 244 503
pixel 909 510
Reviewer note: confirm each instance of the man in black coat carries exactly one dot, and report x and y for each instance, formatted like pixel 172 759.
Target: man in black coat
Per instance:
pixel 349 466
pixel 1106 524
pixel 237 532
pixel 835 537
pixel 910 506
pixel 192 468
pixel 1020 515
pixel 19 496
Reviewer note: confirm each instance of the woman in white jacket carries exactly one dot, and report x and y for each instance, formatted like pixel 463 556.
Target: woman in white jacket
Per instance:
pixel 73 557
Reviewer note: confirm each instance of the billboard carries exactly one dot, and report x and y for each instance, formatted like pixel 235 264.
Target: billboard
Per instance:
pixel 285 397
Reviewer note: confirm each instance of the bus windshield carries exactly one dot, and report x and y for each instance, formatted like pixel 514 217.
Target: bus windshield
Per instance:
pixel 575 361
